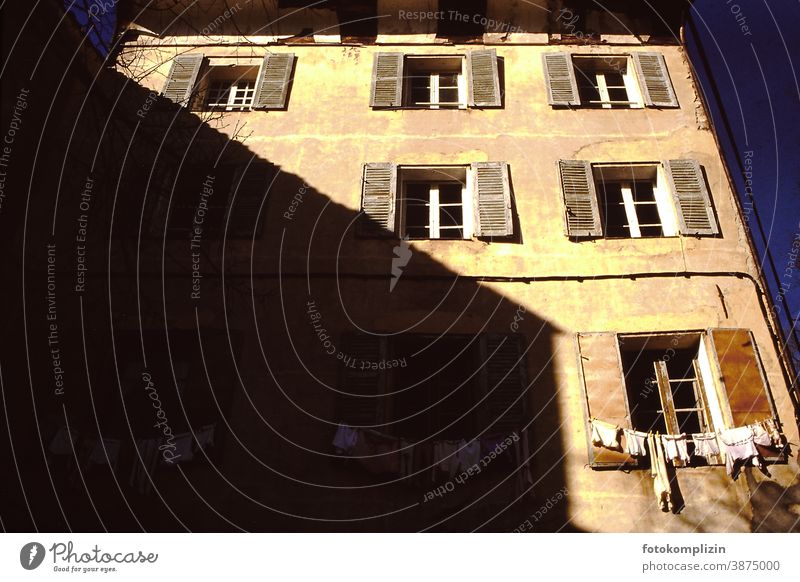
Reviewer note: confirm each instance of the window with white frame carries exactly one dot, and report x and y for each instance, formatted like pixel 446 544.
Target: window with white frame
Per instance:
pixel 634 201
pixel 435 82
pixel 230 88
pixel 607 82
pixel 436 202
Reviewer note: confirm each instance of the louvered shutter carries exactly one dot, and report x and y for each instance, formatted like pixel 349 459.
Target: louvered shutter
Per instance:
pixel 378 193
pixel 387 80
pixel 484 80
pixel 362 406
pixel 654 80
pixel 692 202
pixel 491 199
pixel 580 199
pixel 249 188
pixel 273 81
pixel 182 77
pixel 606 396
pixel 503 380
pixel 562 88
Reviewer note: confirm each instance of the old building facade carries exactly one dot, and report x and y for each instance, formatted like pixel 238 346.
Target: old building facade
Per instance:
pixel 466 229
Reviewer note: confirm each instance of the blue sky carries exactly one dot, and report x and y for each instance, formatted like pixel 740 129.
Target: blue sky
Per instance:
pixel 752 50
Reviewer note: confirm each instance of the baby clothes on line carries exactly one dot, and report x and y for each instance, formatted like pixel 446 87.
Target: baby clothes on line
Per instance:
pixel 705 444
pixel 658 471
pixel 635 442
pixel 740 449
pixel 772 428
pixel 468 455
pixel 605 434
pixel 445 457
pixel 105 452
pixel 761 436
pixel 205 437
pixel 344 441
pixel 63 442
pixel 675 448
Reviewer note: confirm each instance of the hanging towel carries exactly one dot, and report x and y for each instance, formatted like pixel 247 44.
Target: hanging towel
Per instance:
pixel 761 436
pixel 205 437
pixel 144 464
pixel 605 434
pixel 675 448
pixel 468 455
pixel 63 442
pixel 658 471
pixel 345 439
pixel 406 457
pixel 105 452
pixel 444 457
pixel 740 449
pixel 635 442
pixel 705 444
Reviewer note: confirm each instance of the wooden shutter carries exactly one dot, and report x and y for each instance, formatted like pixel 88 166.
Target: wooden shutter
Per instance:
pixel 378 194
pixel 654 80
pixel 692 201
pixel 362 406
pixel 161 187
pixel 273 81
pixel 606 396
pixel 503 380
pixel 249 188
pixel 580 199
pixel 562 88
pixel 484 80
pixel 387 80
pixel 741 377
pixel 491 199
pixel 182 77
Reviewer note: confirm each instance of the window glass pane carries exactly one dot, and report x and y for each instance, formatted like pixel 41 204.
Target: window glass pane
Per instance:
pixel 450 216
pixel 448 96
pixel 449 193
pixel 420 89
pixel 615 219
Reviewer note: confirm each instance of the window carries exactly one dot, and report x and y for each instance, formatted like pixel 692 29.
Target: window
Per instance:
pixel 606 82
pixel 437 385
pixel 609 81
pixel 207 82
pixel 436 81
pixel 673 383
pixel 436 202
pixel 232 88
pixel 636 200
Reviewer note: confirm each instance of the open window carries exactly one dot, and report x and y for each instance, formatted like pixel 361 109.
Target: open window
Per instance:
pixel 672 383
pixel 436 202
pixel 220 84
pixel 455 81
pixel 636 200
pixel 608 81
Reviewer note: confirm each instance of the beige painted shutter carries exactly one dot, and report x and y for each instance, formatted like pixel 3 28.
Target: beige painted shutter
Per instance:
pixel 692 201
pixel 503 380
pixel 361 406
pixel 273 81
pixel 654 80
pixel 378 199
pixel 559 75
pixel 580 199
pixel 484 80
pixel 249 188
pixel 182 77
pixel 491 199
pixel 387 80
pixel 606 395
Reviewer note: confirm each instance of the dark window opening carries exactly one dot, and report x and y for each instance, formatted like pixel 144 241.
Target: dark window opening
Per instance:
pixel 200 200
pixel 462 19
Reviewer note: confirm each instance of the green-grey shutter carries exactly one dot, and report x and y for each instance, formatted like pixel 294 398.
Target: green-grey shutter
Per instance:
pixel 387 80
pixel 654 80
pixel 503 382
pixel 562 88
pixel 580 199
pixel 249 187
pixel 273 81
pixel 182 77
pixel 378 199
pixel 692 201
pixel 363 383
pixel 491 199
pixel 484 80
